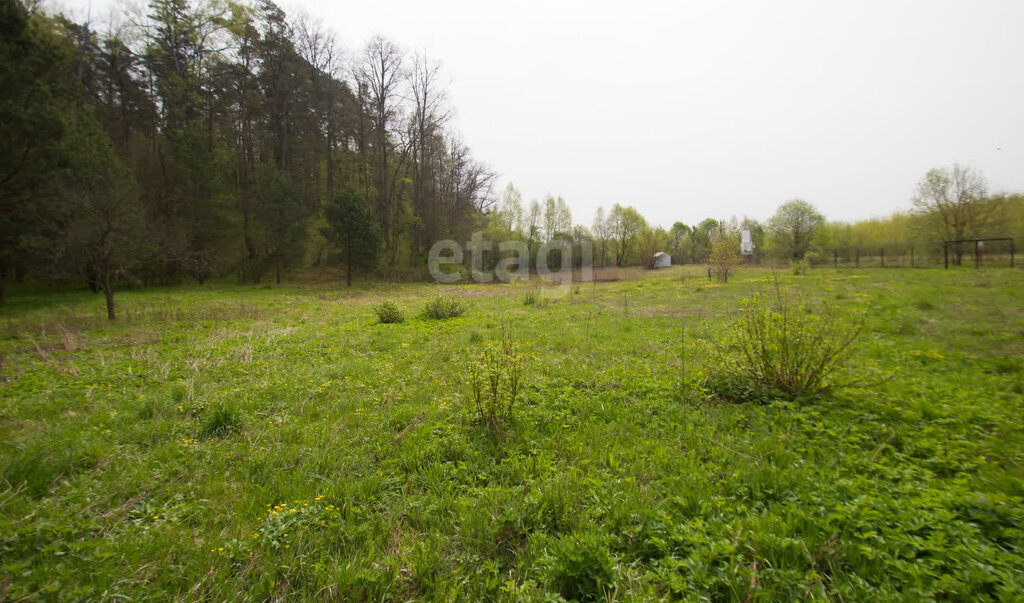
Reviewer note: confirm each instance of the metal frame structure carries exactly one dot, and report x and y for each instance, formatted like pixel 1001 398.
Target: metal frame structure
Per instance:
pixel 978 246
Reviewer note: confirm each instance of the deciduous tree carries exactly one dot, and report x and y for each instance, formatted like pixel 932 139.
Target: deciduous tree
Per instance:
pixel 626 225
pixel 725 255
pixel 793 226
pixel 93 216
pixel 950 204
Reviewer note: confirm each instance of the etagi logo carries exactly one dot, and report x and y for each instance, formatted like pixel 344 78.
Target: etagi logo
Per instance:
pixel 554 262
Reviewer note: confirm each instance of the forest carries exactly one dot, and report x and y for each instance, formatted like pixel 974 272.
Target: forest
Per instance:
pixel 206 140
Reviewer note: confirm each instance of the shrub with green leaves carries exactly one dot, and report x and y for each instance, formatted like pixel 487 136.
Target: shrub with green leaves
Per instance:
pixel 388 312
pixel 786 347
pixel 495 378
pixel 530 298
pixel 444 306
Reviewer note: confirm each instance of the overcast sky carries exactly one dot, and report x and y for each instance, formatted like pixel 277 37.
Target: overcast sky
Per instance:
pixel 689 110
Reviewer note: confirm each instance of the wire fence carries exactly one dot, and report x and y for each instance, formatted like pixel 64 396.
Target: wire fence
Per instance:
pixel 975 253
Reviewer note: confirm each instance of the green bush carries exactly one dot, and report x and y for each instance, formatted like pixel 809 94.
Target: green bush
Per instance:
pixel 388 312
pixel 444 306
pixel 530 298
pixel 786 347
pixel 798 267
pixel 495 376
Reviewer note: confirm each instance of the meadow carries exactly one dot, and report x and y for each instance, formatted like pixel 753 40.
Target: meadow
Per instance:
pixel 252 443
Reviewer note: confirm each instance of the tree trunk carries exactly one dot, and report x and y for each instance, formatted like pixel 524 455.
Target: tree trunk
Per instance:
pixel 277 268
pixel 108 291
pixel 348 256
pixel 3 279
pixel 330 141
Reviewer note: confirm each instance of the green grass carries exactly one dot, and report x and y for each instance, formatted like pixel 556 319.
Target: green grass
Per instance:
pixel 254 443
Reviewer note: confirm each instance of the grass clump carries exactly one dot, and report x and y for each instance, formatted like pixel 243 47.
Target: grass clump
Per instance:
pixel 530 298
pixel 388 312
pixel 37 467
pixel 223 420
pixel 444 306
pixel 495 378
pixel 786 348
pixel 924 304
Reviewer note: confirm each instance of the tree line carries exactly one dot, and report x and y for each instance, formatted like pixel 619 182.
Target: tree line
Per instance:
pixel 206 139
pixel 949 203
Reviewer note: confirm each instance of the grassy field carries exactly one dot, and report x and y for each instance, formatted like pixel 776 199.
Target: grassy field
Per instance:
pixel 253 443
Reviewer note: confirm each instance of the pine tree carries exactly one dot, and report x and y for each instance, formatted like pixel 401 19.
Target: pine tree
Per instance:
pixel 354 230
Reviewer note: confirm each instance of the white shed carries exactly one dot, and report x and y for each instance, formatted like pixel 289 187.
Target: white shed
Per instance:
pixel 746 242
pixel 662 260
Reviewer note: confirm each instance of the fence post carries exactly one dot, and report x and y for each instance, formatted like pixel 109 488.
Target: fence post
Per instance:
pixel 835 259
pixel 977 252
pixel 945 253
pixel 858 257
pixel 883 257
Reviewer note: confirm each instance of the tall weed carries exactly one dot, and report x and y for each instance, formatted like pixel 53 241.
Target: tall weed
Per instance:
pixel 495 377
pixel 788 347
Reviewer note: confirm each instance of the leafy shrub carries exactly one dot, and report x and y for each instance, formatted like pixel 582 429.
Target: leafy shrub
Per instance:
pixel 582 569
pixel 495 377
pixel 444 306
pixel 798 267
pixel 530 298
pixel 788 347
pixel 223 420
pixel 388 312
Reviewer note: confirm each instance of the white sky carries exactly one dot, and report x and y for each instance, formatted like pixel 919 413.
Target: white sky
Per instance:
pixel 689 110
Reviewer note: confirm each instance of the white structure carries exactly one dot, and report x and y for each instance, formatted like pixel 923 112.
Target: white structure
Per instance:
pixel 662 260
pixel 746 243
